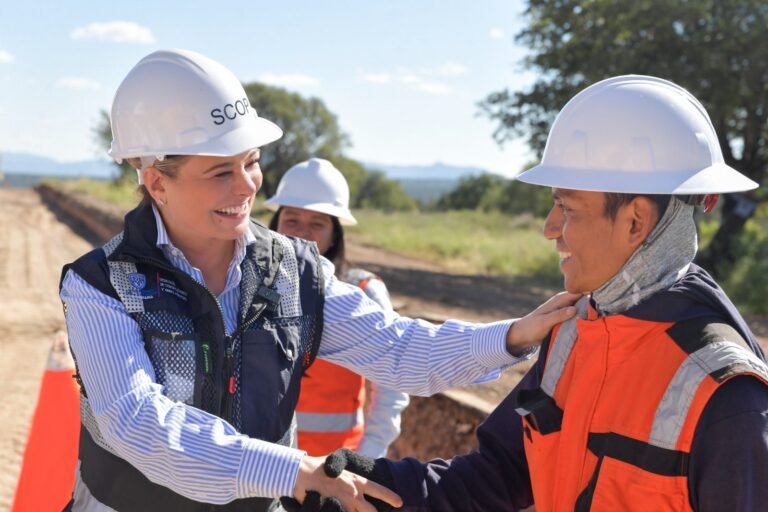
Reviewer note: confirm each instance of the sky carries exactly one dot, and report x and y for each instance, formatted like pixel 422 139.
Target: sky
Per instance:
pixel 402 76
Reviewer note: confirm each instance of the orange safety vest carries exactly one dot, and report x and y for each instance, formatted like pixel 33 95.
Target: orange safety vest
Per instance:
pixel 612 425
pixel 330 412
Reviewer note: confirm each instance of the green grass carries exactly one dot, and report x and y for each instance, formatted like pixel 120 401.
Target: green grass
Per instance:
pixel 464 241
pixel 119 194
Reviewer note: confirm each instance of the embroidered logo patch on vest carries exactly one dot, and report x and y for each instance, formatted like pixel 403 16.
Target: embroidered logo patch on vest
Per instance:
pixel 139 281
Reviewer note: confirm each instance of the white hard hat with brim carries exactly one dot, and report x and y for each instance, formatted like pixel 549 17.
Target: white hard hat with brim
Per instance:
pixel 639 135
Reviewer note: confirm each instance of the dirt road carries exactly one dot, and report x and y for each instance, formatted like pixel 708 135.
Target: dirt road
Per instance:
pixel 33 247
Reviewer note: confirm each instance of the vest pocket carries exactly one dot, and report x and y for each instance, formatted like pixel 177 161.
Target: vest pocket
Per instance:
pixel 267 395
pixel 174 358
pixel 623 486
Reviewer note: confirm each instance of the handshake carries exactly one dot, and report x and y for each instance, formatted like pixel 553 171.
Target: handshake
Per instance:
pixel 375 470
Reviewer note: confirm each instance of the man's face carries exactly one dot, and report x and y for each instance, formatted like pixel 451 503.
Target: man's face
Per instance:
pixel 592 246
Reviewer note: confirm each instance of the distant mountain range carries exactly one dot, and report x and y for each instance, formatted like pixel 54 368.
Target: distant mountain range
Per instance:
pixel 437 171
pixel 426 183
pixel 27 163
pixel 423 182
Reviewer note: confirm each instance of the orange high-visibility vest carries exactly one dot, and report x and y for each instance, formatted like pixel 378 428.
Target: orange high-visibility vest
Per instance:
pixel 612 424
pixel 330 409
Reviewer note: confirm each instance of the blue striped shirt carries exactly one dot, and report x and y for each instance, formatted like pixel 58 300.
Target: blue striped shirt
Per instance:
pixel 201 456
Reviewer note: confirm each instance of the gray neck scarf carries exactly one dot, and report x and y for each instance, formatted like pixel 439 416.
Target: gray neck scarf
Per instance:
pixel 661 260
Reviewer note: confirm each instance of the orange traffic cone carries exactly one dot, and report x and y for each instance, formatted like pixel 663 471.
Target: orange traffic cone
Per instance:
pixel 50 457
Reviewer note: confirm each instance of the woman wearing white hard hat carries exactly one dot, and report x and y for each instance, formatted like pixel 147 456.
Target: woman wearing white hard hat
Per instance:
pixel 192 327
pixel 312 202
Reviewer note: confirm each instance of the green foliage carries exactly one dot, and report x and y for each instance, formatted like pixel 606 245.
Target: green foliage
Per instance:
pixel 376 191
pixel 103 137
pixel 714 48
pixel 120 193
pixel 309 130
pixel 493 193
pixel 747 278
pixel 470 193
pixel 371 189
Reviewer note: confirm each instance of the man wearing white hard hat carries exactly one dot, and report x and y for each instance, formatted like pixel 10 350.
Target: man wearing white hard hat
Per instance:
pixel 191 329
pixel 655 396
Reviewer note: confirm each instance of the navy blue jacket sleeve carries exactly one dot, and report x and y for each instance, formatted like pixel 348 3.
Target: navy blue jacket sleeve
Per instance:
pixel 493 478
pixel 729 456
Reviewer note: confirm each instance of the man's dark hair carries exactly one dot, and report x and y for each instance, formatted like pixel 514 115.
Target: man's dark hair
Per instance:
pixel 615 200
pixel 337 253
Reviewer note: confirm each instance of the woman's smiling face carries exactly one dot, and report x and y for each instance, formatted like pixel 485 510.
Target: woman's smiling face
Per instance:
pixel 209 199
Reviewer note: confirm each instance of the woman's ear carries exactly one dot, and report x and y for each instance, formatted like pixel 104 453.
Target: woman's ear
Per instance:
pixel 154 181
pixel 644 217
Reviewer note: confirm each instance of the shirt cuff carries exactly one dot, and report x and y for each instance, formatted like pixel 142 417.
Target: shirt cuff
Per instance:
pixel 489 346
pixel 268 470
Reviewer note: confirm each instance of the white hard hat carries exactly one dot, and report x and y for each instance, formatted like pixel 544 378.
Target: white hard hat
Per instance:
pixel 639 135
pixel 178 102
pixel 314 185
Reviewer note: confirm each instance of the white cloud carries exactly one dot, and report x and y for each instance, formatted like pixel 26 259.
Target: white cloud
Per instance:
pixel 114 31
pixel 452 69
pixel 289 80
pixel 436 88
pixel 376 78
pixel 6 57
pixel 410 78
pixel 497 33
pixel 422 80
pixel 72 82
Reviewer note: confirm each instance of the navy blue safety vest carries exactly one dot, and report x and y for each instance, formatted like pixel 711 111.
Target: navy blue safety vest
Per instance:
pixel 250 378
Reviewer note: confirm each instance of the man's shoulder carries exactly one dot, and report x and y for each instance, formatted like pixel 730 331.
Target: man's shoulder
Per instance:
pixel 742 394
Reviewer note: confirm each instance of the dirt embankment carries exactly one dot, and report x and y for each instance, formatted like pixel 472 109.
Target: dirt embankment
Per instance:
pixel 33 247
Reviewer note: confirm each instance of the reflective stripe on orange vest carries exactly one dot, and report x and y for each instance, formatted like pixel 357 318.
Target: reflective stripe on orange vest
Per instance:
pixel 329 412
pixel 329 422
pixel 600 435
pixel 673 408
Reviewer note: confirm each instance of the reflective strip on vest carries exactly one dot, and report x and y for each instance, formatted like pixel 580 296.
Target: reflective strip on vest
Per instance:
pixel 560 352
pixel 558 355
pixel 673 408
pixel 329 422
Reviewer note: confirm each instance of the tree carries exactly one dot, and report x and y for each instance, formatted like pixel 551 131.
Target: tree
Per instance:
pixel 714 48
pixel 489 192
pixel 471 193
pixel 309 130
pixel 376 191
pixel 103 135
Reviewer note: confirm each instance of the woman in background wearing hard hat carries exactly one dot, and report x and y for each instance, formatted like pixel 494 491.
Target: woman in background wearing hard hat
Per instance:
pixel 191 328
pixel 312 202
